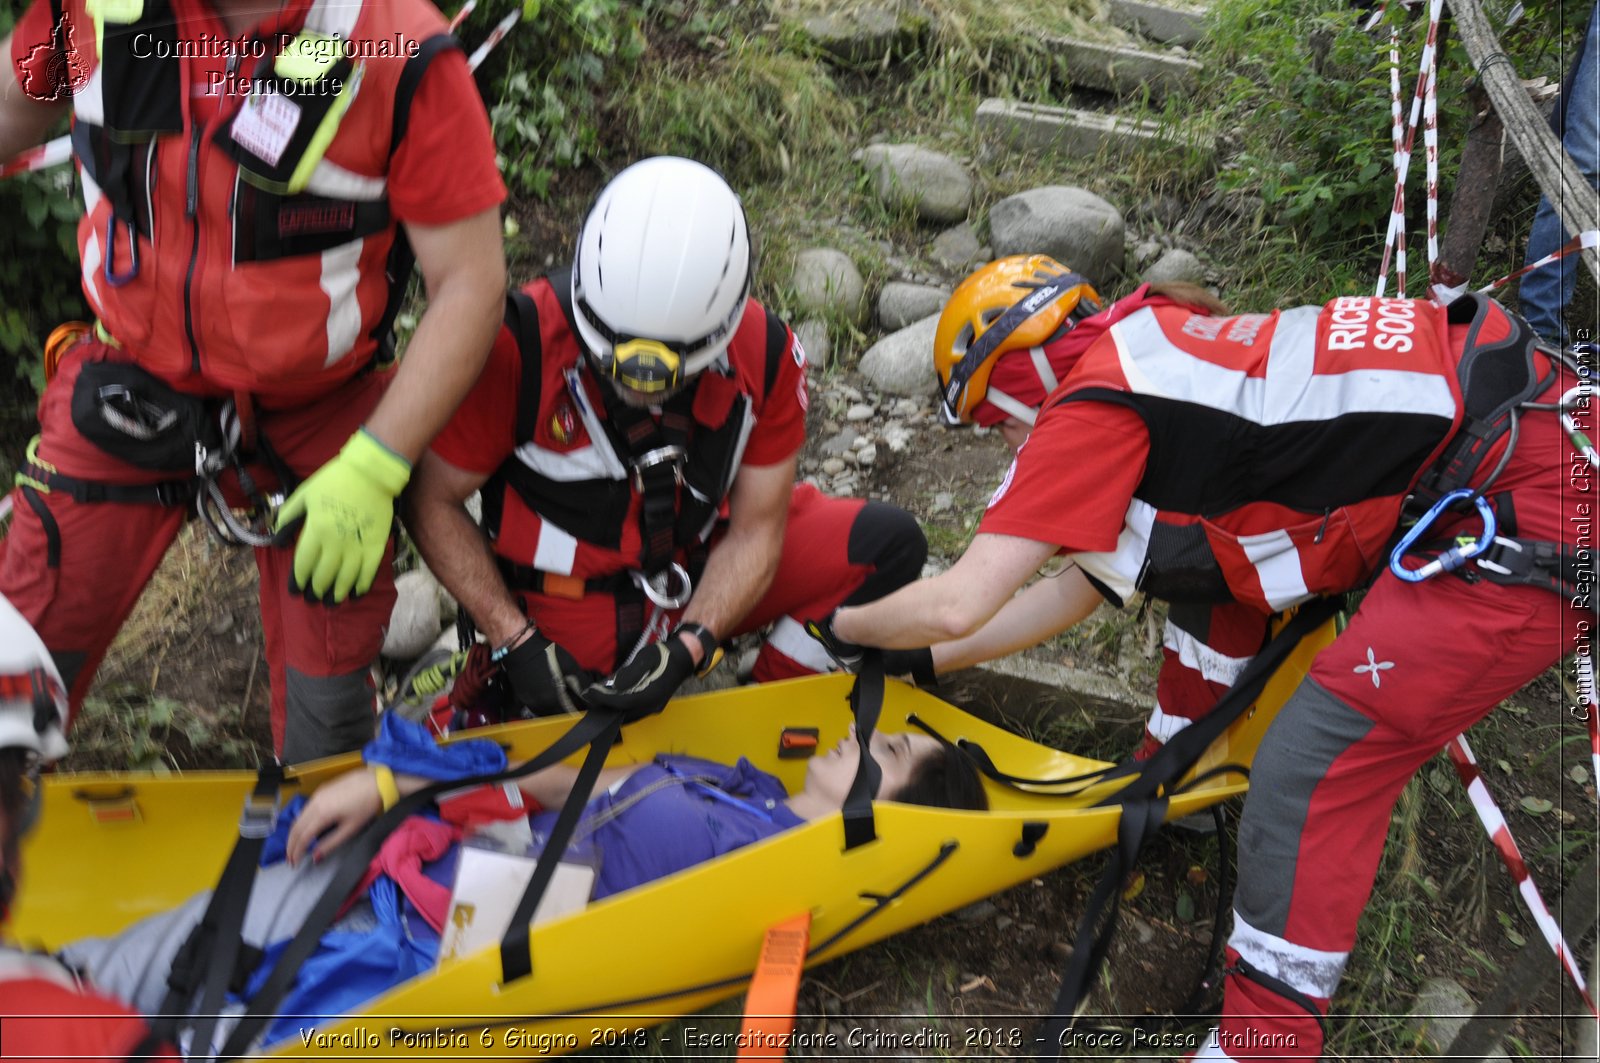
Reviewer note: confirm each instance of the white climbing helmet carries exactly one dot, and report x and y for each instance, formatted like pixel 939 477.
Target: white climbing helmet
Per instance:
pixel 33 700
pixel 661 275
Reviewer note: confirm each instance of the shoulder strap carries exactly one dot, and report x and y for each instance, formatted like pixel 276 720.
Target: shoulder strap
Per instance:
pixel 522 318
pixel 405 89
pixel 777 346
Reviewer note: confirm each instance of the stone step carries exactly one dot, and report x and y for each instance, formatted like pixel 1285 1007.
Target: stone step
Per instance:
pixel 1037 127
pixel 1126 71
pixel 1167 24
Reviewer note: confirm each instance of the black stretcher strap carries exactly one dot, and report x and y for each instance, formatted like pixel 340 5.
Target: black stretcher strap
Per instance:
pixel 1144 807
pixel 215 943
pixel 866 704
pixel 592 728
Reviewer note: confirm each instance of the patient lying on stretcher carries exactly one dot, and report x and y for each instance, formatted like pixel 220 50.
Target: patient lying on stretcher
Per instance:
pixel 644 822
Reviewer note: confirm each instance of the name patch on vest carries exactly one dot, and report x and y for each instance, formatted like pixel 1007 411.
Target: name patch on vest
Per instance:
pixel 265 125
pixel 1357 321
pixel 303 218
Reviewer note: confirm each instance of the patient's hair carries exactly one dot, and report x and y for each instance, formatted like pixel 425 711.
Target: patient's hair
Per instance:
pixel 944 779
pixel 1191 295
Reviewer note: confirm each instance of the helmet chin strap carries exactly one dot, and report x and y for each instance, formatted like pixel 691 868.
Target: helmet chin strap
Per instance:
pixel 1021 411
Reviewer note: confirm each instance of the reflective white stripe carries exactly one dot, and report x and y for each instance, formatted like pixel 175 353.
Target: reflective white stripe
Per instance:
pixel 334 17
pixel 340 275
pixel 89 102
pixel 1213 667
pixel 334 181
pixel 555 551
pixel 1163 725
pixel 568 466
pixel 614 469
pixel 1042 366
pixel 93 259
pixel 16 966
pixel 1147 356
pixel 1020 410
pixel 1118 569
pixel 1311 971
pixel 1211 1049
pixel 1277 564
pixel 790 639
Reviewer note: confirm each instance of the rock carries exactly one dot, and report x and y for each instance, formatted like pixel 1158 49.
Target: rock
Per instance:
pixel 902 362
pixel 1442 1009
pixel 867 454
pixel 943 501
pixel 957 249
pixel 859 412
pixel 813 337
pixel 1073 226
pixel 840 444
pixel 867 32
pixel 972 913
pixel 827 281
pixel 414 622
pixel 833 466
pixel 937 185
pixel 897 437
pixel 1176 265
pixel 899 304
pixel 1145 251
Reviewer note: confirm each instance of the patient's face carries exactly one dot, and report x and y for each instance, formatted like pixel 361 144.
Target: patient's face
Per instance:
pixel 898 754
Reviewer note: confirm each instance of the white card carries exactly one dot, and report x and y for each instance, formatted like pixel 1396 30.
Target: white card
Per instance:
pixel 265 125
pixel 489 884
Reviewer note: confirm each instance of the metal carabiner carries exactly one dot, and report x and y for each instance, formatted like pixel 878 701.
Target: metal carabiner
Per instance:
pixel 656 588
pixel 658 456
pixel 1457 555
pixel 117 280
pixel 1574 433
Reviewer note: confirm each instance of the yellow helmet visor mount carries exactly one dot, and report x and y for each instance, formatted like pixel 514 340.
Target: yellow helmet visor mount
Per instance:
pixel 648 367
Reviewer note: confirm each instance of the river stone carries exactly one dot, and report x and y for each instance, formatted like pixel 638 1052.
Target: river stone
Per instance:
pixel 1176 265
pixel 902 362
pixel 900 304
pixel 414 622
pixel 1071 225
pixel 937 185
pixel 827 282
pixel 957 248
pixel 813 337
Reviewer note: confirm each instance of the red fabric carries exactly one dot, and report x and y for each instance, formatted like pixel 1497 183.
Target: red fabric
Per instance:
pixel 107 551
pixel 467 809
pixel 1259 1024
pixel 1014 372
pixel 416 841
pixel 444 171
pixel 483 431
pixel 1088 455
pixel 43 1021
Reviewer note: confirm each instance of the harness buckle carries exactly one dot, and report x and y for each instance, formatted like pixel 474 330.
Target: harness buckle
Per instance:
pixel 657 588
pixel 260 815
pixel 659 456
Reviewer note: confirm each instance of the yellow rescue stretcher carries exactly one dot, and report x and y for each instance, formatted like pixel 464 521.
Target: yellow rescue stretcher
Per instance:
pixel 115 847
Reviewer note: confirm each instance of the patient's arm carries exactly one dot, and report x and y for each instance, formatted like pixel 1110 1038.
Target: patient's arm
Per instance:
pixel 343 805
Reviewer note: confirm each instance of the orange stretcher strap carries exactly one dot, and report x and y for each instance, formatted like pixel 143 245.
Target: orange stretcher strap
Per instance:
pixel 769 1006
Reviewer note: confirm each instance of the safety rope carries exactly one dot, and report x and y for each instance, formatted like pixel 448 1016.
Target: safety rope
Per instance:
pixel 1394 240
pixel 1494 822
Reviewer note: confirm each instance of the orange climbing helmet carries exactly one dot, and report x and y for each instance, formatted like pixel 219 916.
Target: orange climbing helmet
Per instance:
pixel 1012 304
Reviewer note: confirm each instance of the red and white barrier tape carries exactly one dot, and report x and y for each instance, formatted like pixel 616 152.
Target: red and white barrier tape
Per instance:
pixel 1494 822
pixel 1426 78
pixel 1591 707
pixel 1397 137
pixel 59 150
pixel 1590 239
pixel 496 35
pixel 461 16
pixel 42 157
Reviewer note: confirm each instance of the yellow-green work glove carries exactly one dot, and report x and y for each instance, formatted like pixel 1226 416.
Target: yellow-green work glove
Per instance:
pixel 348 508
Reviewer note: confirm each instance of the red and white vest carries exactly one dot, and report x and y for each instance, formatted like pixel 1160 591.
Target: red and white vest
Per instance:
pixel 1282 445
pixel 566 503
pixel 196 255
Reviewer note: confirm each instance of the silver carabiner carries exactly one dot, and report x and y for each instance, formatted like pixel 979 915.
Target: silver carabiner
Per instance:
pixel 657 588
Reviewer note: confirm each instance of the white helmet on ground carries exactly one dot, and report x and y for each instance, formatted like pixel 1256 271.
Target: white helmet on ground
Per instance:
pixel 661 275
pixel 33 700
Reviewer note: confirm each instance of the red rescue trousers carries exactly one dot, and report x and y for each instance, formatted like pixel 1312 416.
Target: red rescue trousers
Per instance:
pixel 75 570
pixel 835 550
pixel 1418 664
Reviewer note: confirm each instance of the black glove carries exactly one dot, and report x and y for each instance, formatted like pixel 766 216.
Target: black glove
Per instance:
pixel 846 655
pixel 648 679
pixel 544 677
pixel 918 664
